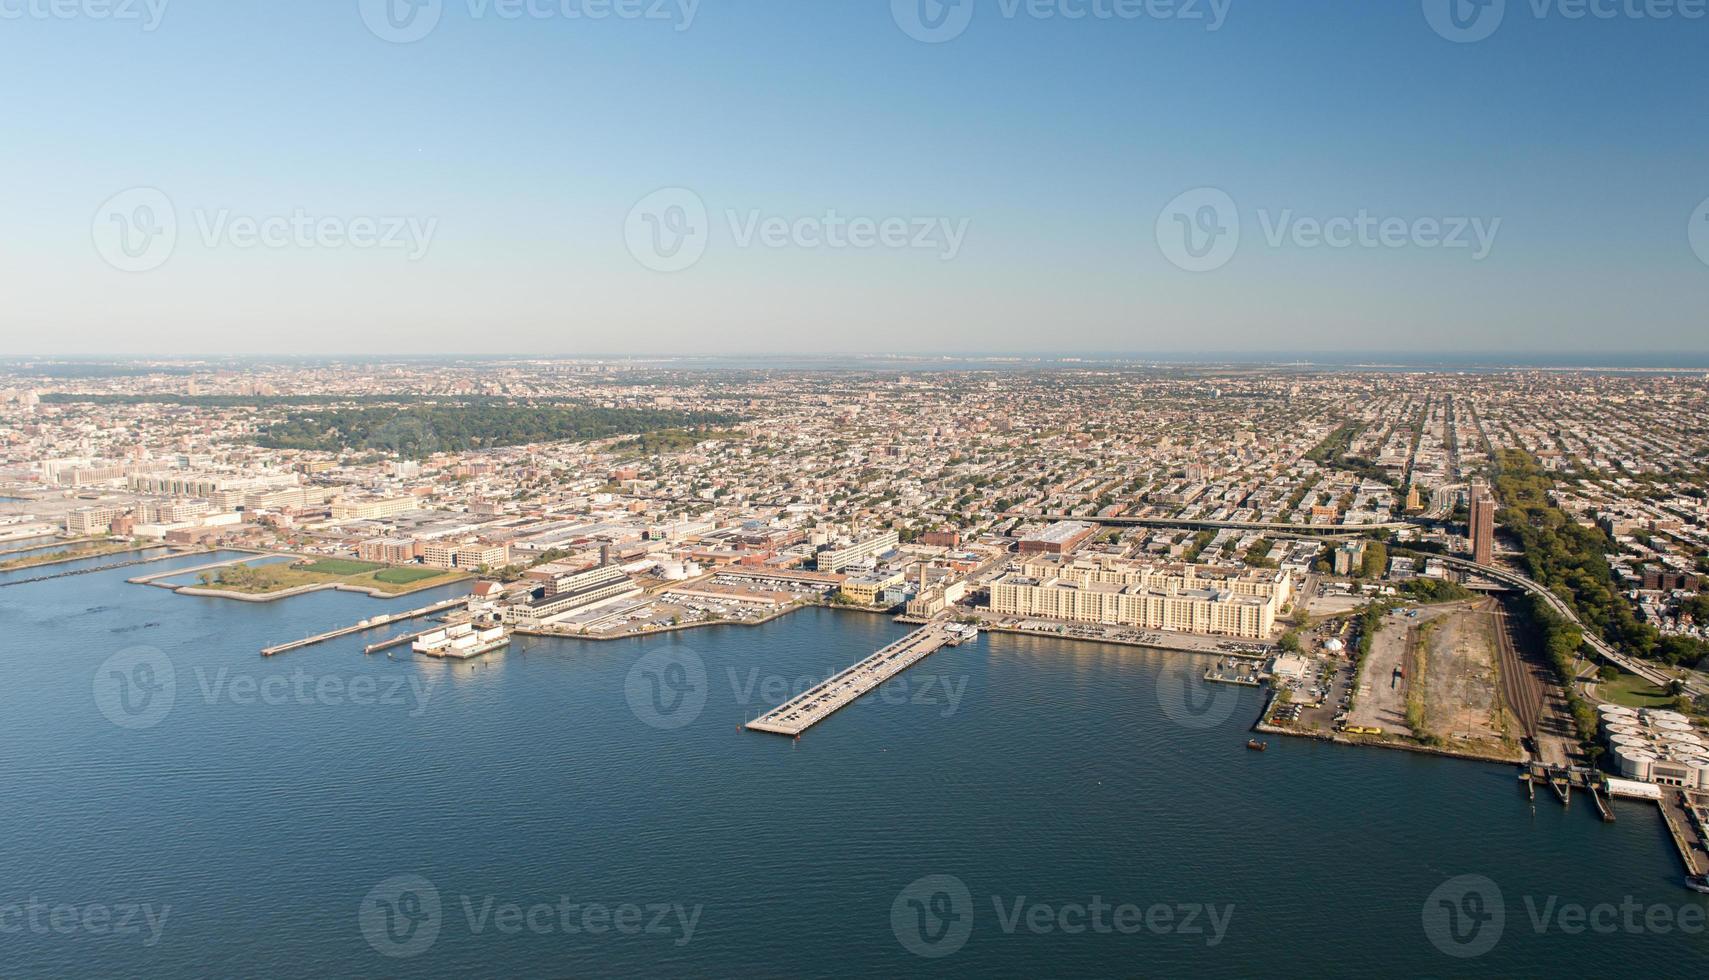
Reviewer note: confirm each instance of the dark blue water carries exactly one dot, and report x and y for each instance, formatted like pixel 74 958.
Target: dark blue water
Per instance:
pixel 259 810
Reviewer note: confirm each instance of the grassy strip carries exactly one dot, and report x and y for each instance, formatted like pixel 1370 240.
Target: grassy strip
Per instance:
pixel 1370 620
pixel 91 550
pixel 1418 661
pixel 267 579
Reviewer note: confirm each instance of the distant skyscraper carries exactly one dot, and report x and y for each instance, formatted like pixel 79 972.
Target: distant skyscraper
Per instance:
pixel 1483 524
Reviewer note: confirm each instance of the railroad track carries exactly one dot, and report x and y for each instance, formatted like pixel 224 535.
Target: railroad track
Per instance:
pixel 1521 687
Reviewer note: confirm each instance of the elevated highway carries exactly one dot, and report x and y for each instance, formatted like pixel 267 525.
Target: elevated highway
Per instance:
pixel 1192 524
pixel 1647 671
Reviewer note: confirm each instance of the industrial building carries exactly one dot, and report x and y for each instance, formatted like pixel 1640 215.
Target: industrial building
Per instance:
pixel 572 593
pixel 1059 538
pixel 860 552
pixel 1655 746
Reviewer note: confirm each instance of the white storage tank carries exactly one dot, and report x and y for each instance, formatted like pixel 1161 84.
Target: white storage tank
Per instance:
pixel 1634 763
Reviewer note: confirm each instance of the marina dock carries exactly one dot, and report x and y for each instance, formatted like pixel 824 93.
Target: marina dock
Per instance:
pixel 366 624
pixel 819 702
pixel 1562 779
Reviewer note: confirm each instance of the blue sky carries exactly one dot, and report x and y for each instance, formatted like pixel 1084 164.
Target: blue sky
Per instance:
pixel 478 186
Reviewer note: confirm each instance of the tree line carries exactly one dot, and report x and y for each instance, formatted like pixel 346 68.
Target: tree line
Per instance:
pixel 423 429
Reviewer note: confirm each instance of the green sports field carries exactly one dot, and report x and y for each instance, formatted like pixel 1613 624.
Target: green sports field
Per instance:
pixel 341 566
pixel 405 576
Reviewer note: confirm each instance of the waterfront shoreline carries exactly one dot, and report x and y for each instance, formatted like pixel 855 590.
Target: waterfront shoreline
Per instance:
pixel 61 559
pixel 211 593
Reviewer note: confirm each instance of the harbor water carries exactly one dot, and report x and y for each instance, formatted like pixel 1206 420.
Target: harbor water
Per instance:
pixel 325 813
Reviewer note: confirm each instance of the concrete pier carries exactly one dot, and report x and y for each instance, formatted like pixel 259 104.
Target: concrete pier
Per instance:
pixel 819 702
pixel 366 624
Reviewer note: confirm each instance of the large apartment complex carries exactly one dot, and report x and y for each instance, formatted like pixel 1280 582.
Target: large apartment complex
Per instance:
pixel 1184 598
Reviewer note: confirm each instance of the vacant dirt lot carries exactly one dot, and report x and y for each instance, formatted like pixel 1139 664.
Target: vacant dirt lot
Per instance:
pixel 1448 656
pixel 1381 701
pixel 1461 699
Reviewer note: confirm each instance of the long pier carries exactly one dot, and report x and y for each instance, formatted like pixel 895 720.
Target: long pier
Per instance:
pixel 819 702
pixel 366 624
pixel 1675 813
